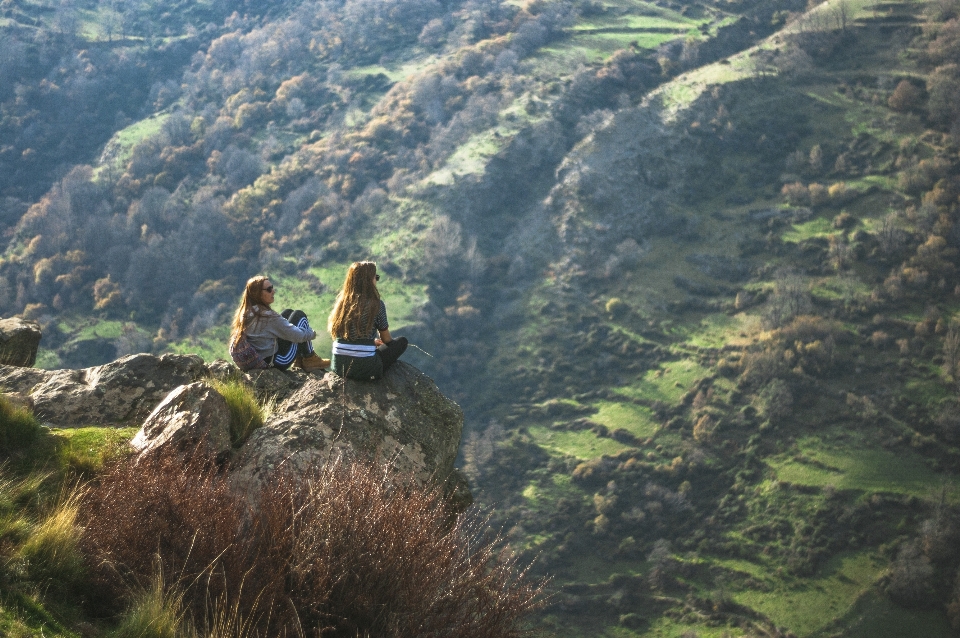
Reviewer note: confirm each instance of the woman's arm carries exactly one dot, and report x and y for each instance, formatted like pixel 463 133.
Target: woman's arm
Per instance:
pixel 283 329
pixel 385 336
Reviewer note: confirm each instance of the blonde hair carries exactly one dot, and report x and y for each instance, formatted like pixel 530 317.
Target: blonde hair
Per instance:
pixel 359 298
pixel 252 300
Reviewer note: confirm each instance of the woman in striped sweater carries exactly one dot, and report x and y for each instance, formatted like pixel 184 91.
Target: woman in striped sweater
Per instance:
pixel 362 345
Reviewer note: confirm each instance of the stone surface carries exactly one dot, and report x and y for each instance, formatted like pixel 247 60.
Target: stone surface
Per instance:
pixel 192 417
pixel 402 419
pixel 121 393
pixel 272 384
pixel 19 340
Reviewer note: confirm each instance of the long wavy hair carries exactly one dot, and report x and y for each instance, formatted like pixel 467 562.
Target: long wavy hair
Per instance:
pixel 359 294
pixel 252 300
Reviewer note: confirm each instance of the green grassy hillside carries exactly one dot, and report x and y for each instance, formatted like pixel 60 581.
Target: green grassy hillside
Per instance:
pixel 690 268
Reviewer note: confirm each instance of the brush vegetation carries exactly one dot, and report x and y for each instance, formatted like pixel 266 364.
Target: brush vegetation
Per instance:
pixel 691 269
pixel 164 547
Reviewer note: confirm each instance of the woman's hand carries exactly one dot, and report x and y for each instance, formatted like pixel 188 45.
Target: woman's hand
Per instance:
pixel 378 342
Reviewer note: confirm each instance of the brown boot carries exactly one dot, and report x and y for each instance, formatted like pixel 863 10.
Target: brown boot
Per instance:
pixel 314 362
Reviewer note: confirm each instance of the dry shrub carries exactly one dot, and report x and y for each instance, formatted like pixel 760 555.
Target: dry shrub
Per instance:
pixel 346 549
pixel 818 194
pixel 906 97
pixel 796 194
pixel 880 339
pixel 839 192
pixel 844 221
pixel 703 429
pixel 166 513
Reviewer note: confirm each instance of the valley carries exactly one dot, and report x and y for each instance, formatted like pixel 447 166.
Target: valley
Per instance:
pixel 690 269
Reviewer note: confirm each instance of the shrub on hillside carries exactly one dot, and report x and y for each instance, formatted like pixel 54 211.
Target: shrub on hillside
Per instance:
pixel 910 578
pixel 943 106
pixel 347 548
pixel 796 194
pixel 906 97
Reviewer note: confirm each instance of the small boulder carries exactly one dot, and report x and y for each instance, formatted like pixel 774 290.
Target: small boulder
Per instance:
pixel 19 341
pixel 193 417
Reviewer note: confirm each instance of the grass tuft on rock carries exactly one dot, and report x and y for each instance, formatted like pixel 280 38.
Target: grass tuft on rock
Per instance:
pixel 246 413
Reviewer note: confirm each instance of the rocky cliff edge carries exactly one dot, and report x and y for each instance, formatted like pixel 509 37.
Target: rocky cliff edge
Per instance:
pixel 402 420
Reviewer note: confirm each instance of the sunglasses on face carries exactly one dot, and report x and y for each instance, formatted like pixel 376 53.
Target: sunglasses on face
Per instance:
pixel 377 277
pixel 268 289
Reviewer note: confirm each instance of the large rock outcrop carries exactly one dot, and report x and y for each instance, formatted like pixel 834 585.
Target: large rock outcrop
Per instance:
pixel 121 393
pixel 402 419
pixel 19 341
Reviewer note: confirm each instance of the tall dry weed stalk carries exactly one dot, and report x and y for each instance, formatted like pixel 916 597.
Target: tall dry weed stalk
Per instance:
pixel 345 549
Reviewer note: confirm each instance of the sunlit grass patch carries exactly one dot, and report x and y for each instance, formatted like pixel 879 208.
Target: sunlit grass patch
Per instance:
pixel 819 227
pixel 157 611
pixel 565 55
pixel 636 419
pixel 209 345
pixel 667 383
pixel 118 150
pixel 885 182
pixel 809 606
pixel 743 566
pixel 398 71
pixel 545 491
pixel 637 22
pixel 849 467
pixel 102 329
pixel 841 288
pixel 470 158
pixel 85 450
pixel 580 444
pixel 719 329
pixel 683 90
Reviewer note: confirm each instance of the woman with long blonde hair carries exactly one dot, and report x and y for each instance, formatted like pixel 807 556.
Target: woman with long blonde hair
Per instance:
pixel 261 337
pixel 362 345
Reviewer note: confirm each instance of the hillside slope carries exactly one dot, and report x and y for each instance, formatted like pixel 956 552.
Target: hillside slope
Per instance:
pixel 691 270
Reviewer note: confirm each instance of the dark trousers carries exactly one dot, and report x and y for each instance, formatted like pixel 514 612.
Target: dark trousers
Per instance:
pixel 287 351
pixel 393 351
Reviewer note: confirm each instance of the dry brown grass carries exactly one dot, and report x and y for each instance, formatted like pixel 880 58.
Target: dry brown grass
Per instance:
pixel 348 549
